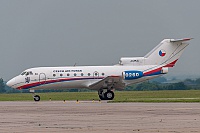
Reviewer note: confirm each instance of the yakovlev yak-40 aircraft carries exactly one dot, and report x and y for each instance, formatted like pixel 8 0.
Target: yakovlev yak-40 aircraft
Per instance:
pixel 104 79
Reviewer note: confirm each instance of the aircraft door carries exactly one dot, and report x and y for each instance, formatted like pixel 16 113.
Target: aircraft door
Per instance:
pixel 42 78
pixel 95 74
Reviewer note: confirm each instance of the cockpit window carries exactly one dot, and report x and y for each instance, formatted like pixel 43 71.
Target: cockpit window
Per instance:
pixel 23 73
pixel 27 73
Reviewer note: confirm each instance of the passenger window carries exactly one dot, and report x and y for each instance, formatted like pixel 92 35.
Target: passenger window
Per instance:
pixel 103 74
pixel 54 75
pixel 68 74
pixel 75 74
pixel 61 75
pixel 88 74
pixel 82 74
pixel 31 73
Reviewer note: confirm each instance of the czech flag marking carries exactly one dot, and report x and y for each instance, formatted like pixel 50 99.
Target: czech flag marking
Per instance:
pixel 162 53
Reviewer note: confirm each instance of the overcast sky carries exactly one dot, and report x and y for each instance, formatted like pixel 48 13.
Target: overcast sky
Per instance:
pixel 90 32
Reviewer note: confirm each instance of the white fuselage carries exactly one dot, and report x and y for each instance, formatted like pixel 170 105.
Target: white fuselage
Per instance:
pixel 74 77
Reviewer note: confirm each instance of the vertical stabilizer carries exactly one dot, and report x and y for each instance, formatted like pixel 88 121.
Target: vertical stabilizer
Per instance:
pixel 167 52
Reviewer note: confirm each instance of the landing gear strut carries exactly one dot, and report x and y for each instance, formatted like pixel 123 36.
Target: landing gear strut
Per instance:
pixel 106 94
pixel 35 97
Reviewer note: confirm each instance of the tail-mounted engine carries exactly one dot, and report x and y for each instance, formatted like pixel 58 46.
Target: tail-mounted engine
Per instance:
pixel 129 75
pixel 134 74
pixel 164 70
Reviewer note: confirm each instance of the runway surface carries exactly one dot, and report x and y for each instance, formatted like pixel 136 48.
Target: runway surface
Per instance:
pixel 95 117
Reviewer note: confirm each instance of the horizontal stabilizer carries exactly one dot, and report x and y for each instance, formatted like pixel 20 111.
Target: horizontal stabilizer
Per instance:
pixel 180 40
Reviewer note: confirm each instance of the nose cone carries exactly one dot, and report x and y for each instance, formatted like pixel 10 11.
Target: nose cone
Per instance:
pixel 11 83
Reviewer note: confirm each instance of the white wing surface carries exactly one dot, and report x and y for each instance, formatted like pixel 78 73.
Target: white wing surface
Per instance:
pixel 109 82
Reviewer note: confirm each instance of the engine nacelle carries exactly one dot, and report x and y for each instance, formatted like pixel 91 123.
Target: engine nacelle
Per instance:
pixel 130 75
pixel 164 70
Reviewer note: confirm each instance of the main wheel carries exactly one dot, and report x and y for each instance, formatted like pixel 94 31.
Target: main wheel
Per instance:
pixel 36 98
pixel 109 95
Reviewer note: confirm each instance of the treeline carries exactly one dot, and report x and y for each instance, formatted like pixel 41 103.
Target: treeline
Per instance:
pixel 150 86
pixel 160 83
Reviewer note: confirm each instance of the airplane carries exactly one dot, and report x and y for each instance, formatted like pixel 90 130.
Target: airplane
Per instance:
pixel 104 79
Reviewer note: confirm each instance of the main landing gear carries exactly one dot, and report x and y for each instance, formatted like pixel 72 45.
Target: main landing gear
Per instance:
pixel 105 94
pixel 35 97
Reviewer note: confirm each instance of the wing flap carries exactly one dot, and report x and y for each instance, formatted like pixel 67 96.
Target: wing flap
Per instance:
pixel 108 82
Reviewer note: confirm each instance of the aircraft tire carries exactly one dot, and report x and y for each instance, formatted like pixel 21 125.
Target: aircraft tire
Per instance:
pixel 36 98
pixel 109 95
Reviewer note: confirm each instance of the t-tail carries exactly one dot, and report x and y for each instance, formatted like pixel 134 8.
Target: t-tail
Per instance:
pixel 167 52
pixel 164 54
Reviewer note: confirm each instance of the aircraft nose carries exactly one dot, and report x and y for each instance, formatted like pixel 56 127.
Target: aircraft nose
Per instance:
pixel 11 82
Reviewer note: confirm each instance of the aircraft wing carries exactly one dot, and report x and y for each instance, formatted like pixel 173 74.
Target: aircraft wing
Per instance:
pixel 109 82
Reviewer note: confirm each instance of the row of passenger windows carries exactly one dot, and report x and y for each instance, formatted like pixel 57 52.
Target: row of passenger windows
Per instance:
pixel 75 74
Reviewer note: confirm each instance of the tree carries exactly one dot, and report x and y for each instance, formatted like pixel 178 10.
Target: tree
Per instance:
pixel 2 86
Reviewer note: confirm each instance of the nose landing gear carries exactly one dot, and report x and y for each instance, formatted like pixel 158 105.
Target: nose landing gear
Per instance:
pixel 35 97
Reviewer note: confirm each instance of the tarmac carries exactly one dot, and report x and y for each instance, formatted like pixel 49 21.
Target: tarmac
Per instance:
pixel 98 117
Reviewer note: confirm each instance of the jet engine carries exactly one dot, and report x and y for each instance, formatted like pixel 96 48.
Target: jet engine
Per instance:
pixel 164 70
pixel 130 75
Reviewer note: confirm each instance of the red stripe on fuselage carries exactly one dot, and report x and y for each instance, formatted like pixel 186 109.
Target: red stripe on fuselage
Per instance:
pixel 172 64
pixel 31 85
pixel 159 69
pixel 152 71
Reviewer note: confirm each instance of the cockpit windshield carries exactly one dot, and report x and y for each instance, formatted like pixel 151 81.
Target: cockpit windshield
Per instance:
pixel 23 73
pixel 27 73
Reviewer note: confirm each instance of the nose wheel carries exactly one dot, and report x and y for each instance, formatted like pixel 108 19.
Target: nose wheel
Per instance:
pixel 36 98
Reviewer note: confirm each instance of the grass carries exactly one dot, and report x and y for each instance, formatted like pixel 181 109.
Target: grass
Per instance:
pixel 159 96
pixel 53 95
pixel 125 96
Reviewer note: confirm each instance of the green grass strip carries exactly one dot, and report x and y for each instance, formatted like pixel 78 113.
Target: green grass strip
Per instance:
pixel 120 96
